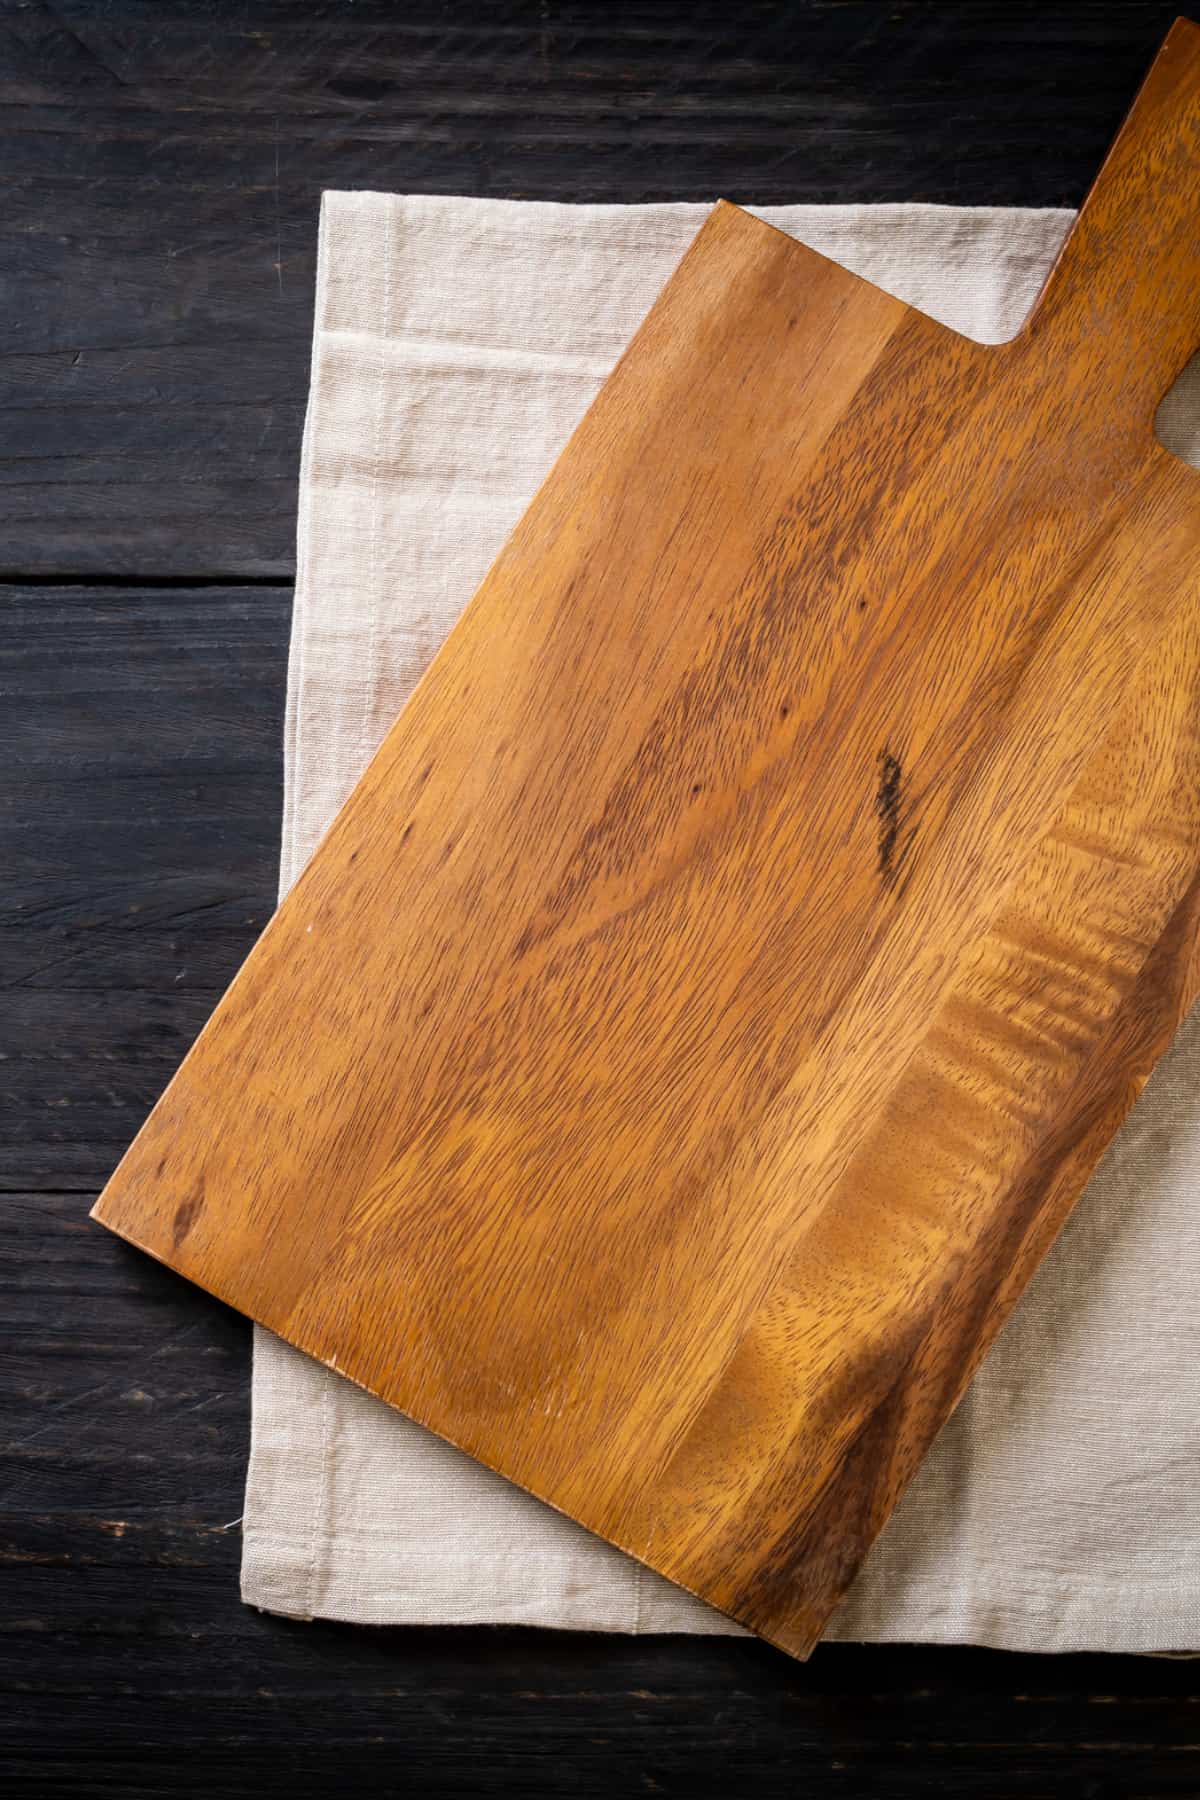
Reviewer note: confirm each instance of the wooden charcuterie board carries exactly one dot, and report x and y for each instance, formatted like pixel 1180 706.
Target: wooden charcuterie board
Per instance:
pixel 713 997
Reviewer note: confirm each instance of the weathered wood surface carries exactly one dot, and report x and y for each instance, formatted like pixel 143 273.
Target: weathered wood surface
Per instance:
pixel 139 843
pixel 163 162
pixel 692 1069
pixel 127 1662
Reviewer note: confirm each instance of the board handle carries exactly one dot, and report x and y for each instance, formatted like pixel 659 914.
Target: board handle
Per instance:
pixel 1123 300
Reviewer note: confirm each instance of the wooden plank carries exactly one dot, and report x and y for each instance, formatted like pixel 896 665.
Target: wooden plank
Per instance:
pixel 164 162
pixel 128 1664
pixel 715 993
pixel 141 749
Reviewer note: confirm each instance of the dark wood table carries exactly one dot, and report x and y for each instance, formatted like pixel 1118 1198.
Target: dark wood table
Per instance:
pixel 162 163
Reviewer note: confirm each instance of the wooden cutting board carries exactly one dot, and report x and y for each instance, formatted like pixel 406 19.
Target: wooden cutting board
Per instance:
pixel 712 999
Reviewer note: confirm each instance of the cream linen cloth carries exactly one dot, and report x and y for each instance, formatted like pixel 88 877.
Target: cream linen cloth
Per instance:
pixel 457 344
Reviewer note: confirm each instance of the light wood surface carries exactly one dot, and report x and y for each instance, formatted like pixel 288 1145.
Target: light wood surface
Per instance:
pixel 717 990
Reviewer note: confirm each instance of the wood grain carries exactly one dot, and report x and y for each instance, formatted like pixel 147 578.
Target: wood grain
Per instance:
pixel 166 159
pixel 141 749
pixel 717 989
pixel 127 1661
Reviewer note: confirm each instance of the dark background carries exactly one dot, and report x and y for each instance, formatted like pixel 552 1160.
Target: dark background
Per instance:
pixel 160 170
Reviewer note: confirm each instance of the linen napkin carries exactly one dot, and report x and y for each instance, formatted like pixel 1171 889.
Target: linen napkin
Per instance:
pixel 457 343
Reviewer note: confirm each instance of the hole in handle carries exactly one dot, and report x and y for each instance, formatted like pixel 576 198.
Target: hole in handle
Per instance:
pixel 1177 421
